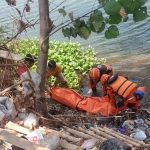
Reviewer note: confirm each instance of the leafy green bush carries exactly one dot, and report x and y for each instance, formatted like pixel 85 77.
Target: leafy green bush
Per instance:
pixel 74 59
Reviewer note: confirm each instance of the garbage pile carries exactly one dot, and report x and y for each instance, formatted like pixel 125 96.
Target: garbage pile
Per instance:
pixel 77 130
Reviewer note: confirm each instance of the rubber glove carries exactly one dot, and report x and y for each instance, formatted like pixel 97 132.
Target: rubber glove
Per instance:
pixel 90 92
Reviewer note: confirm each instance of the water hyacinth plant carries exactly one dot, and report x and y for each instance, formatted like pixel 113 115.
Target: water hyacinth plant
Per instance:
pixel 74 59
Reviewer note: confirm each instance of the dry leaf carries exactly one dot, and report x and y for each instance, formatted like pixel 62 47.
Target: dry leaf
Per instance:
pixel 22 26
pixel 11 2
pixel 71 16
pixel 18 11
pixel 27 8
pixel 123 12
pixel 51 25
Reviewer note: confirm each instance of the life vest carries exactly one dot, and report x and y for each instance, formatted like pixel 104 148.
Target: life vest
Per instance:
pixel 122 86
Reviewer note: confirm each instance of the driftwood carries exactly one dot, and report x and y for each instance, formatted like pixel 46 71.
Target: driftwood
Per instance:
pixel 19 142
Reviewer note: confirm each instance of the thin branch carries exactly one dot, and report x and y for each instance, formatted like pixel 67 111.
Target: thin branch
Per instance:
pixel 65 26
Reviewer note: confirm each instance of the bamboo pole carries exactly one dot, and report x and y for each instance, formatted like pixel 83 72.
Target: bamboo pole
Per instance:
pixel 107 135
pixel 126 137
pixel 62 134
pixel 92 134
pixel 66 145
pixel 78 133
pixel 69 138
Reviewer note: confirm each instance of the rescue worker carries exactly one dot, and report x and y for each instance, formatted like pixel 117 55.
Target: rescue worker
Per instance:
pixel 26 64
pixel 95 75
pixel 54 69
pixel 24 72
pixel 120 88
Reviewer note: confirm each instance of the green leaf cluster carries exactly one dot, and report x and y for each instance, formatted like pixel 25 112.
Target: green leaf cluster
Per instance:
pixel 75 60
pixel 96 23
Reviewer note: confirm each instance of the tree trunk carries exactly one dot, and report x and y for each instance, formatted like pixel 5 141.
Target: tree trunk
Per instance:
pixel 43 50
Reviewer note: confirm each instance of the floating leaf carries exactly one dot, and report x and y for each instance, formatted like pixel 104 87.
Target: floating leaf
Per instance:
pixel 62 11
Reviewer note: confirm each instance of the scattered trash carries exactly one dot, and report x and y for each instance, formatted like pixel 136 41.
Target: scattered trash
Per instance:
pixel 35 136
pixel 128 124
pixel 36 78
pixel 139 135
pixel 31 121
pixel 122 130
pixel 114 144
pixel 50 140
pixel 89 144
pixel 7 107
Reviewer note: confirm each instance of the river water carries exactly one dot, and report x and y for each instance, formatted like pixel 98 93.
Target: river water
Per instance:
pixel 129 54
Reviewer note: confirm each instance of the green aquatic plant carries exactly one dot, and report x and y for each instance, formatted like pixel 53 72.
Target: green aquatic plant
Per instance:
pixel 75 60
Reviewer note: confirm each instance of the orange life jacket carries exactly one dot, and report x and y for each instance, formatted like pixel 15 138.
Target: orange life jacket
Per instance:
pixel 122 86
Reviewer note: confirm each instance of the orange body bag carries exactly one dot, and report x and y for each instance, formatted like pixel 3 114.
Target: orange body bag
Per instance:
pixel 123 87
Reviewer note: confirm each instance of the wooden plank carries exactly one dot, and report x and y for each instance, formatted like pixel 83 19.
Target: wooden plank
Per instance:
pixel 19 142
pixel 16 127
pixel 9 55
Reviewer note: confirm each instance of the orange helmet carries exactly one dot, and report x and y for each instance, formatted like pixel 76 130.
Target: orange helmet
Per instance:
pixel 95 73
pixel 104 78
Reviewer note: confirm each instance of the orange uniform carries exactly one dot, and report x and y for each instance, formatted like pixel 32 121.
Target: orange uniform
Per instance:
pixel 127 91
pixel 95 74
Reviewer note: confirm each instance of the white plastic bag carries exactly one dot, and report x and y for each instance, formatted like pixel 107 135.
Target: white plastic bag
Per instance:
pixel 139 135
pixel 35 136
pixel 7 107
pixel 31 121
pixel 35 77
pixel 1 115
pixel 22 115
pixel 51 140
pixel 90 92
pixel 89 144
